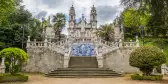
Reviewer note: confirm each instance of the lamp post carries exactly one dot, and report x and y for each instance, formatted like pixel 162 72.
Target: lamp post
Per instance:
pixel 142 34
pixel 22 27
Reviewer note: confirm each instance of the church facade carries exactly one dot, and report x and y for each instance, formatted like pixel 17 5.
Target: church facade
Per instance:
pixel 81 41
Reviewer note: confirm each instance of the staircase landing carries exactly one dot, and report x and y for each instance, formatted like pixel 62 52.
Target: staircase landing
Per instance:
pixel 83 62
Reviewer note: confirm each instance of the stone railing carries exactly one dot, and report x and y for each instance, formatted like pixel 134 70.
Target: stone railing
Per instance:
pixel 56 46
pixel 62 47
pixel 2 66
pixel 106 47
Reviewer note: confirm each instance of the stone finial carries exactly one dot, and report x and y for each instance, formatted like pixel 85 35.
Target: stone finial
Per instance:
pixel 137 40
pixel 28 39
pixel 28 42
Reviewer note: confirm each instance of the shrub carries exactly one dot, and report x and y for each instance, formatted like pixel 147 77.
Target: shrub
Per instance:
pixel 146 58
pixel 13 58
pixel 13 78
pixel 152 77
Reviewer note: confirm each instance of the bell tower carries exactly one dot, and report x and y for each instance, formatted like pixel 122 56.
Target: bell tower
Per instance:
pixel 93 17
pixel 72 21
pixel 72 17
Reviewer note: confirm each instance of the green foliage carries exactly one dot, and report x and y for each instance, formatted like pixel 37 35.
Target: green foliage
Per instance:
pixel 152 78
pixel 35 29
pixel 132 20
pixel 158 11
pixel 13 58
pixel 6 7
pixel 20 16
pixel 146 58
pixel 161 43
pixel 13 78
pixel 106 32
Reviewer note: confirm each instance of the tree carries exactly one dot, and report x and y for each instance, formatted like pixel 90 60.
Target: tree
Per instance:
pixel 18 23
pixel 59 22
pixel 131 22
pixel 106 32
pixel 6 7
pixel 146 58
pixel 35 29
pixel 14 56
pixel 158 22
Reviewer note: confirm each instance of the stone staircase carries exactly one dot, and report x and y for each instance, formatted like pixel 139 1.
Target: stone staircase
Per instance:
pixel 83 62
pixel 82 73
pixel 82 67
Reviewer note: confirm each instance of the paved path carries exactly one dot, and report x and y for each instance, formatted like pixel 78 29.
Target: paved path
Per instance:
pixel 40 79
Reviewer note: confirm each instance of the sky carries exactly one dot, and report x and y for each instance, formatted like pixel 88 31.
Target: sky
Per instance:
pixel 107 10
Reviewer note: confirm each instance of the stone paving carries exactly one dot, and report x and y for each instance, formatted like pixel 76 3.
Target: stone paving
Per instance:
pixel 40 79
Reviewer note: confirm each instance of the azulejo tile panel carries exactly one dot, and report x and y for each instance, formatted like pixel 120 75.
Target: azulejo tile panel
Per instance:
pixel 83 50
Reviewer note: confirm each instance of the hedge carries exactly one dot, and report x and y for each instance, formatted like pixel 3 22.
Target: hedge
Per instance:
pixel 152 77
pixel 13 78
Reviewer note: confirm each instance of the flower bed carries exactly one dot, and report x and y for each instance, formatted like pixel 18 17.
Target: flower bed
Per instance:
pixel 13 78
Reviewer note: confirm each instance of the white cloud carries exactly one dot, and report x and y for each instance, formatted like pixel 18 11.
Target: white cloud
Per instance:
pixel 107 9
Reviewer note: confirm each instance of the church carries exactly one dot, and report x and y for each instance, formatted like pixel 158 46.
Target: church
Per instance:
pixel 81 53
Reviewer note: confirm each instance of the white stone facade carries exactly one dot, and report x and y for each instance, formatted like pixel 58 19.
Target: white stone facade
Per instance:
pixel 46 55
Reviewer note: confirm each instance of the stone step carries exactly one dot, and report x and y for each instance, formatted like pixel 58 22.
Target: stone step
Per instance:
pixel 81 76
pixel 82 72
pixel 83 69
pixel 83 62
pixel 84 76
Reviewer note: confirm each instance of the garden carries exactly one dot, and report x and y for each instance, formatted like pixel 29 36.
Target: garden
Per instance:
pixel 13 60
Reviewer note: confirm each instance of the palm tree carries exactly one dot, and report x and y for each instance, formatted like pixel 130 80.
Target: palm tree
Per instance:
pixel 106 32
pixel 59 22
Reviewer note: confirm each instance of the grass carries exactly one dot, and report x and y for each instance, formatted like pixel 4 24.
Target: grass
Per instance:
pixel 13 78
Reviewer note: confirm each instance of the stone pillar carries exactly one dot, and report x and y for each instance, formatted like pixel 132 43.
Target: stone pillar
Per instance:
pixel 2 67
pixel 28 42
pixel 137 42
pixel 163 69
pixel 45 41
pixel 3 62
pixel 100 61
pixel 66 61
pixel 120 43
pixel 67 56
pixel 99 57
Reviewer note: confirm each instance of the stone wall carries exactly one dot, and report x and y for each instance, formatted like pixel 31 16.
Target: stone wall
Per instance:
pixel 43 60
pixel 118 61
